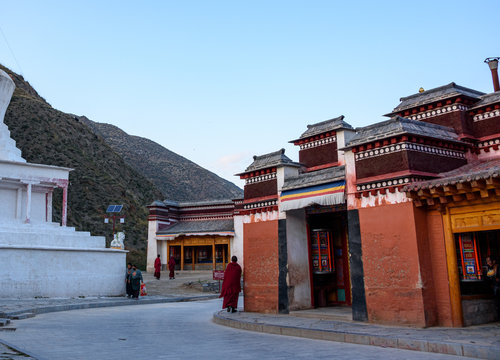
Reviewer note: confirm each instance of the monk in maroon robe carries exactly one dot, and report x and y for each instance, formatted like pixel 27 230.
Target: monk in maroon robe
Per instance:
pixel 157 267
pixel 231 285
pixel 171 267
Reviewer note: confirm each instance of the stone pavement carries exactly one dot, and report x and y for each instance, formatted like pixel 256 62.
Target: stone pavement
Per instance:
pixel 187 286
pixel 476 341
pixel 482 342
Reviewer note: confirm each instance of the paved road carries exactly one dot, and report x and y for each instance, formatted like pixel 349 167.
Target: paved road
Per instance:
pixel 173 331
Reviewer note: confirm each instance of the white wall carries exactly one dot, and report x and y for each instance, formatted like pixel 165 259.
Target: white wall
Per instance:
pixel 237 242
pixel 30 272
pixel 8 198
pixel 38 207
pixel 152 246
pixel 298 278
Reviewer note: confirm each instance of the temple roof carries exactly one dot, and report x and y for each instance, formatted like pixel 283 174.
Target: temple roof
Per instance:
pixel 197 227
pixel 315 178
pixel 273 159
pixel 399 126
pixel 324 126
pixel 487 99
pixel 228 202
pixel 436 94
pixel 479 170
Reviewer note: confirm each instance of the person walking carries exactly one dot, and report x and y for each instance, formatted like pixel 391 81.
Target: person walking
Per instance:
pixel 157 267
pixel 128 287
pixel 493 276
pixel 135 281
pixel 171 268
pixel 231 286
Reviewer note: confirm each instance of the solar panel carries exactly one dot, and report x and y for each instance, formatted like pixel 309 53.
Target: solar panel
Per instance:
pixel 114 208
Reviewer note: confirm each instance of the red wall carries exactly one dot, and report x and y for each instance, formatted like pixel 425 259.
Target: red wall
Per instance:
pixel 487 127
pixel 391 266
pixel 319 155
pixel 260 189
pixel 457 120
pixel 404 262
pixel 432 163
pixel 260 252
pixel 381 165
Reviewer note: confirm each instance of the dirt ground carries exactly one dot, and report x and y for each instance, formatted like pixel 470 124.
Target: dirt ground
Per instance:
pixel 186 283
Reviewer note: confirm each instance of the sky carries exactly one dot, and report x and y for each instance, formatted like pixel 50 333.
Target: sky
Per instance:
pixel 220 81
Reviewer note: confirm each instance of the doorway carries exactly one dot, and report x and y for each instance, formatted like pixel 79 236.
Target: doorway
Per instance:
pixel 329 261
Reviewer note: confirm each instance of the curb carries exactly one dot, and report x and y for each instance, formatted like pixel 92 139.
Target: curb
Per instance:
pixel 23 353
pixel 448 348
pixel 121 302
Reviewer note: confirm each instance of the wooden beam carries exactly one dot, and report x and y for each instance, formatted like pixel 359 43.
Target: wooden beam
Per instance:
pixel 223 257
pixel 478 184
pixel 493 182
pixel 464 187
pixel 417 202
pixel 484 193
pixel 497 192
pixel 471 196
pixel 430 201
pixel 424 193
pixel 411 194
pixel 458 197
pixel 450 189
pixel 182 255
pixel 453 277
pixel 437 191
pixel 213 254
pixel 443 199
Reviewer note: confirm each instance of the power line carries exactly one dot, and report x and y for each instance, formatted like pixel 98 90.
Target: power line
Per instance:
pixel 12 52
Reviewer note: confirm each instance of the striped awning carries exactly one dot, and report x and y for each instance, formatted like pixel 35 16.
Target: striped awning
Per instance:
pixel 324 194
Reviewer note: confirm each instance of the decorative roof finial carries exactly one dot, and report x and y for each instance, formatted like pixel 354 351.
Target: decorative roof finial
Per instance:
pixel 421 90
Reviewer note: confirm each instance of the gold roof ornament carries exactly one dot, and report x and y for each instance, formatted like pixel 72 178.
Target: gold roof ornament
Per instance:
pixel 421 90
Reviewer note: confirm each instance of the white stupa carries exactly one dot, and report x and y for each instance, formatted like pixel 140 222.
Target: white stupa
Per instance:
pixel 40 258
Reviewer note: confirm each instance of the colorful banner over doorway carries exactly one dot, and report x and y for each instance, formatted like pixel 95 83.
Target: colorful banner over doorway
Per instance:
pixel 324 194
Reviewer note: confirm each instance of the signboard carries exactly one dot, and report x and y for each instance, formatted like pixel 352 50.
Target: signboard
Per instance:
pixel 218 274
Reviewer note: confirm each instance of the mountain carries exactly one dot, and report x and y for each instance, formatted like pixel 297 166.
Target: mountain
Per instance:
pixel 177 177
pixel 101 176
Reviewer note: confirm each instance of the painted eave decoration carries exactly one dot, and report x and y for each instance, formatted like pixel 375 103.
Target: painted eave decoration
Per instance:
pixel 324 194
pixel 173 236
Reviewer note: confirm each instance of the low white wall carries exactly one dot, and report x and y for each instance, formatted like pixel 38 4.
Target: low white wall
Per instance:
pixel 298 278
pixel 237 241
pixel 32 272
pixel 152 246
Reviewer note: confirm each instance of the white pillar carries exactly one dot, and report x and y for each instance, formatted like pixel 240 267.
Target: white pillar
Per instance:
pixel 19 204
pixel 163 252
pixel 28 202
pixel 64 214
pixel 48 206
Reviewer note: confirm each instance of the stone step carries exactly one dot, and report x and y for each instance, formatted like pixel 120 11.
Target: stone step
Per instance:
pixel 4 321
pixel 7 329
pixel 22 316
pixel 56 239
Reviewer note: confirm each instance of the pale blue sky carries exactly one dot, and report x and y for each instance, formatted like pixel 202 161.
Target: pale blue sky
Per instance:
pixel 220 81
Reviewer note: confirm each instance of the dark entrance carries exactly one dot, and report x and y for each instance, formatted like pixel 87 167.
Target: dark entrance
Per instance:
pixel 329 261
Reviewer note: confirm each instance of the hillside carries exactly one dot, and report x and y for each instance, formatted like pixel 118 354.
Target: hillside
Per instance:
pixel 100 176
pixel 177 177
